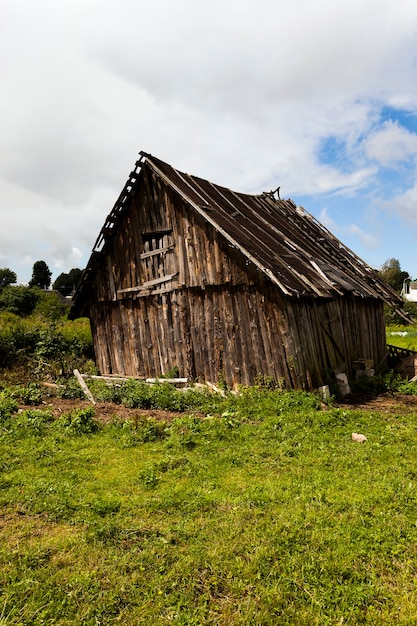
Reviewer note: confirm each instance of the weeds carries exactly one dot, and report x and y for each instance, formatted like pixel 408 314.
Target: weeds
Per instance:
pixel 34 421
pixel 29 394
pixel 139 430
pixel 45 346
pixel 78 422
pixel 8 406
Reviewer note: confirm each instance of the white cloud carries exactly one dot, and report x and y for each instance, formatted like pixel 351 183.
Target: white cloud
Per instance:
pixel 367 240
pixel 242 93
pixel 327 221
pixel 404 205
pixel 391 144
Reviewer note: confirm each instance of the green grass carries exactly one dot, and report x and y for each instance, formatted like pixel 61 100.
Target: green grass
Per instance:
pixel 402 336
pixel 263 513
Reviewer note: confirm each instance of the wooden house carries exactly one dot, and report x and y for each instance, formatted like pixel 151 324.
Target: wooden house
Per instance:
pixel 226 286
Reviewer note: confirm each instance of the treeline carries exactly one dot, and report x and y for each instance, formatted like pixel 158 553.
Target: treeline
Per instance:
pixel 23 299
pixel 392 274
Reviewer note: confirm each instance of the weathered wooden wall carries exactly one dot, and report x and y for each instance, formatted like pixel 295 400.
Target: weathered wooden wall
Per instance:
pixel 159 237
pixel 170 291
pixel 235 334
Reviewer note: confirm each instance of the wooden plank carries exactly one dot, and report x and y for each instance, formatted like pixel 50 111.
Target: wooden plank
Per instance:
pixel 83 386
pixel 111 279
pixel 114 378
pixel 157 281
pixel 173 381
pixel 146 255
pixel 156 233
pixel 149 283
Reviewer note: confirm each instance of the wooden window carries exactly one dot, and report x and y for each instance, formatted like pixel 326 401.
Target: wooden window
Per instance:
pixel 156 270
pixel 155 246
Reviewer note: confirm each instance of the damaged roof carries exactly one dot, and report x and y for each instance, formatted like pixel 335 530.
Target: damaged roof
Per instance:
pixel 293 249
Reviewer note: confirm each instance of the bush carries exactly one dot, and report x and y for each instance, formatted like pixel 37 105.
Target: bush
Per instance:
pixel 20 300
pixel 50 307
pixel 78 422
pixel 59 350
pixel 70 389
pixel 31 394
pixel 17 340
pixel 34 421
pixel 45 348
pixel 407 388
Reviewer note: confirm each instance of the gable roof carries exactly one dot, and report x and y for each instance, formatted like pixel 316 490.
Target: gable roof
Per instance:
pixel 293 249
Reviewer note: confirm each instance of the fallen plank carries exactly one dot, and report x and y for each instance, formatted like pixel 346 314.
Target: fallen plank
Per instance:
pixel 174 381
pixel 53 385
pixel 111 379
pixel 84 387
pixel 215 388
pixel 117 378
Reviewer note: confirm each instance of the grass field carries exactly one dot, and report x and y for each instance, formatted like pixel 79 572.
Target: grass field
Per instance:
pixel 402 336
pixel 263 512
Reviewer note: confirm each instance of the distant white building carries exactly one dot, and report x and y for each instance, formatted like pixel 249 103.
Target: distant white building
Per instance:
pixel 409 290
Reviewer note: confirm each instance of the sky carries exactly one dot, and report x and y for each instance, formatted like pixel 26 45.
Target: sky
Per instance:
pixel 319 97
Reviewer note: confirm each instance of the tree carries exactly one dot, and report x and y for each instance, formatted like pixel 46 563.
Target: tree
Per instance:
pixel 7 277
pixel 392 274
pixel 41 276
pixel 67 283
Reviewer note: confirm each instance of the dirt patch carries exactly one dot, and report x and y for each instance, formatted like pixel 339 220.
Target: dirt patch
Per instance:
pixel 108 411
pixel 104 411
pixel 383 403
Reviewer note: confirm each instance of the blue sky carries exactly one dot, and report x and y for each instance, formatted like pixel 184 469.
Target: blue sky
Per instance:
pixel 319 98
pixel 378 220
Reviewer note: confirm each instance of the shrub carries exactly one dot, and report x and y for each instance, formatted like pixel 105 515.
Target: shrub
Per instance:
pixel 140 395
pixel 50 307
pixel 407 388
pixel 17 341
pixel 20 300
pixel 34 421
pixel 59 351
pixel 78 422
pixel 44 348
pixel 31 394
pixel 69 388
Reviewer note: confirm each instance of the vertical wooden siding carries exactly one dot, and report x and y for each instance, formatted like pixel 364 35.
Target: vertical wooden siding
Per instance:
pixel 197 255
pixel 235 334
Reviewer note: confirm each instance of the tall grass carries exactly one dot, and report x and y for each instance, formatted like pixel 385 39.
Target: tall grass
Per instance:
pixel 44 346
